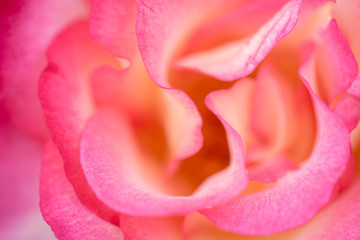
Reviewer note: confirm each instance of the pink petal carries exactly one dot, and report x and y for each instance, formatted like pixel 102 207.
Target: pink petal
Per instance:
pixel 347 15
pixel 161 27
pixel 336 64
pixel 331 69
pixel 339 220
pixel 112 23
pixel 132 91
pixel 348 108
pixel 66 100
pixel 354 89
pixel 238 59
pixel 221 102
pixel 26 29
pixel 62 210
pixel 272 170
pixel 298 196
pixel 267 126
pixel 183 125
pixel 151 228
pixel 110 159
pixel 269 118
pixel 20 161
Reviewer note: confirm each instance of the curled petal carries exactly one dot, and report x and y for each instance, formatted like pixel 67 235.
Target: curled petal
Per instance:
pixel 348 107
pixel 347 15
pixel 273 170
pixel 298 196
pixel 170 23
pixel 238 59
pixel 62 210
pixel 112 23
pixel 339 220
pixel 336 65
pixel 67 104
pixel 110 159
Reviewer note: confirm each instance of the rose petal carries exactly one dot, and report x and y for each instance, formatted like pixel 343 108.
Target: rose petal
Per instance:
pixel 272 170
pixel 62 210
pixel 267 127
pixel 161 26
pixel 232 104
pixel 66 100
pixel 132 91
pixel 354 89
pixel 151 228
pixel 171 23
pixel 348 108
pixel 112 23
pixel 339 220
pixel 348 105
pixel 332 69
pixel 269 118
pixel 20 161
pixel 347 15
pixel 26 29
pixel 336 64
pixel 241 93
pixel 298 196
pixel 110 160
pixel 238 59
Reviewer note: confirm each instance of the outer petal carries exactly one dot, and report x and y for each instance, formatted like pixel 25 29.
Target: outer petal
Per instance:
pixel 62 210
pixel 151 228
pixel 20 161
pixel 238 59
pixel 26 29
pixel 66 100
pixel 337 221
pixel 110 160
pixel 340 220
pixel 112 23
pixel 298 196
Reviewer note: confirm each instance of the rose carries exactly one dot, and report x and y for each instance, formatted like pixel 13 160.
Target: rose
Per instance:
pixel 74 92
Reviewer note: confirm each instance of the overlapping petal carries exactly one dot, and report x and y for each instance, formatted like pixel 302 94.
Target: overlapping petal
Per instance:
pixel 347 14
pixel 111 162
pixel 170 23
pixel 61 208
pixel 297 197
pixel 340 220
pixel 239 58
pixel 103 150
pixel 335 63
pixel 67 102
pixel 112 23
